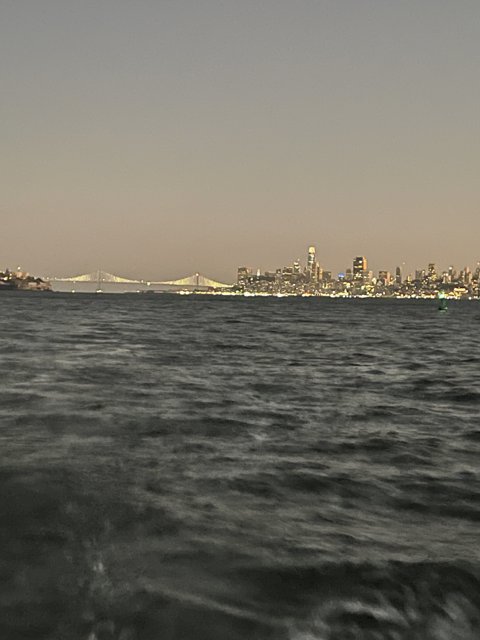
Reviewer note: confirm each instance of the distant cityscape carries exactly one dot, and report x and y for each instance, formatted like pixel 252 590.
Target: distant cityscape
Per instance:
pixel 358 281
pixel 296 279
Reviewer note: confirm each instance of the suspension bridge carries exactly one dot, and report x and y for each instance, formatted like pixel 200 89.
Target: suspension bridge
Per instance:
pixel 99 277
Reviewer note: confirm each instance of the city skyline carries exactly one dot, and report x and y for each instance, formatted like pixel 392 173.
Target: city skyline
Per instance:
pixel 359 266
pixel 174 137
pixel 358 280
pixel 298 278
pixel 174 272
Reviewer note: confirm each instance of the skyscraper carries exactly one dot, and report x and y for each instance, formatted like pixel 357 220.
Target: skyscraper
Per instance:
pixel 398 275
pixel 432 272
pixel 359 267
pixel 311 260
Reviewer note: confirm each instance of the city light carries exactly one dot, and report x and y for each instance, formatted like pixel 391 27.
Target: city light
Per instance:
pixel 358 281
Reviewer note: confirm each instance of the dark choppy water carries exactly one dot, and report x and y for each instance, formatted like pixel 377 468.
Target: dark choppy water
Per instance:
pixel 190 468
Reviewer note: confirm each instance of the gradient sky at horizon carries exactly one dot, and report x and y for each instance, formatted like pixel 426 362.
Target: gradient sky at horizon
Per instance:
pixel 158 138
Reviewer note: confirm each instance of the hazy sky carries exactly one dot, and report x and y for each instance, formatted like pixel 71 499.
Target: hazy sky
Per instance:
pixel 159 137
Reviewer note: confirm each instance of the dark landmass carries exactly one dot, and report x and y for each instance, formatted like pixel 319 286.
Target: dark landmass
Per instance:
pixel 22 281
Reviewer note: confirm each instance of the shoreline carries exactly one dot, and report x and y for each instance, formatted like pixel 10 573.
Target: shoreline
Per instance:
pixel 224 294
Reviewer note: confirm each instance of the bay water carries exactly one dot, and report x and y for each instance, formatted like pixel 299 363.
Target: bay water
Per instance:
pixel 202 468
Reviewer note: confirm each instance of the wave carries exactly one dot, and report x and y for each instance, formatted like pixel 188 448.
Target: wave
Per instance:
pixel 425 601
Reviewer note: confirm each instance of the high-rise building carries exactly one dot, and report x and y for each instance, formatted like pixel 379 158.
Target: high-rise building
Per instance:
pixel 311 260
pixel 398 275
pixel 359 268
pixel 243 275
pixel 466 275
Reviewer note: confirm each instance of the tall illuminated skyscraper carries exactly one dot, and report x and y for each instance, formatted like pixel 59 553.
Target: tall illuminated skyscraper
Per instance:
pixel 311 260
